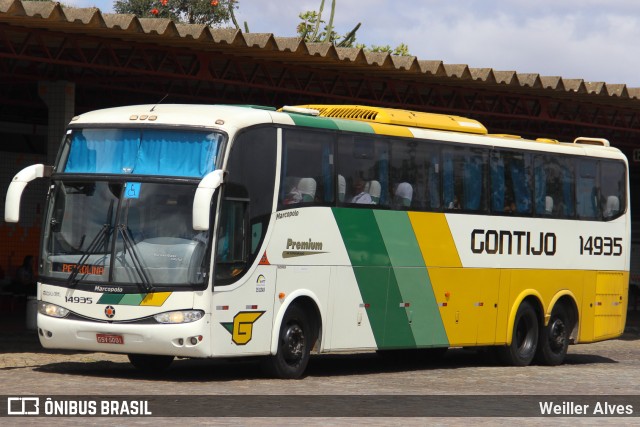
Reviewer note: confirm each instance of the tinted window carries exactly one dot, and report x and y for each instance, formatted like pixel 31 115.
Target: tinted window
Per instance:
pixel 363 170
pixel 464 179
pixel 307 168
pixel 247 201
pixel 613 189
pixel 511 182
pixel 414 175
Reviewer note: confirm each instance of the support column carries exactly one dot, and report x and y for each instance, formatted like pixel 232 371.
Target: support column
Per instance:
pixel 60 98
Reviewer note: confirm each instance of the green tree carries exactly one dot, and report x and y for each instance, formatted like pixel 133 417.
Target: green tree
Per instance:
pixel 400 50
pixel 310 28
pixel 313 29
pixel 208 12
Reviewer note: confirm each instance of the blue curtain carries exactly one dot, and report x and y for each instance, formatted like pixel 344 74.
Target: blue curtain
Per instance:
pixel 497 184
pixel 149 152
pixel 327 171
pixel 521 190
pixel 472 182
pixel 587 191
pixel 383 172
pixel 434 181
pixel 447 179
pixel 567 192
pixel 103 151
pixel 541 188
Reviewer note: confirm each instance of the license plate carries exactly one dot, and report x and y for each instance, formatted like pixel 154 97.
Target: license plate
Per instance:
pixel 110 339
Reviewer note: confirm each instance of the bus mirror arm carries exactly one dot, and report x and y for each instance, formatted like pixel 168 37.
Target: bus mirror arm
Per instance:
pixel 202 199
pixel 17 186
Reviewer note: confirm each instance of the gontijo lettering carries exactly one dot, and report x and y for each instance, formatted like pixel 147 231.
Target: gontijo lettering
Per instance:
pixel 507 242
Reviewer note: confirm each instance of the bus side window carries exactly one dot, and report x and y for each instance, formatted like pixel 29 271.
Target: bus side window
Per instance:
pixel 414 180
pixel 554 186
pixel 363 170
pixel 306 177
pixel 464 179
pixel 511 182
pixel 587 189
pixel 612 183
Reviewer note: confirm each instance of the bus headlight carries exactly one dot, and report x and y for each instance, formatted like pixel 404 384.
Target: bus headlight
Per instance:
pixel 182 316
pixel 52 310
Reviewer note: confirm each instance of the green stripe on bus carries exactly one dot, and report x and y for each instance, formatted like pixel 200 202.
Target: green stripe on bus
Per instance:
pixel 412 279
pixel 373 283
pixel 353 126
pixel 132 299
pixel 313 122
pixel 423 311
pixel 399 239
pixel 398 333
pixel 110 298
pixel 372 269
pixel 361 237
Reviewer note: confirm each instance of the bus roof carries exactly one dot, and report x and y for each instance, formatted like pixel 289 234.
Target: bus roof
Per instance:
pixel 197 115
pixel 398 117
pixel 354 118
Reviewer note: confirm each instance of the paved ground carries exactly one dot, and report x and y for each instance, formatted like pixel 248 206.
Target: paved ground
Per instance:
pixel 606 368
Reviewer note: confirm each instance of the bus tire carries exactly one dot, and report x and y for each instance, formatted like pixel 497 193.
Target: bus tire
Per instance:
pixel 150 362
pixel 554 338
pixel 294 346
pixel 524 340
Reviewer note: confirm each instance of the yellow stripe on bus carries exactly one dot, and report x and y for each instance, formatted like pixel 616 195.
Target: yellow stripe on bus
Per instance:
pixel 478 305
pixel 392 130
pixel 155 299
pixel 435 239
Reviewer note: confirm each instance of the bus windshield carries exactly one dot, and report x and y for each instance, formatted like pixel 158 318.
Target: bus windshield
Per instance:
pixel 123 232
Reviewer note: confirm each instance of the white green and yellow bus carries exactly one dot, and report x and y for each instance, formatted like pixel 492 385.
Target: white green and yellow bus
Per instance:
pixel 206 231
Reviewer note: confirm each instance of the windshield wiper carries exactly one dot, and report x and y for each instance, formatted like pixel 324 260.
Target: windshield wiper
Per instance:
pixel 99 240
pixel 135 257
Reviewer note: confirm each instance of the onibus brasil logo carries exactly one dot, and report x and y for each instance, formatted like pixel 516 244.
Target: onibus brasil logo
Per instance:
pixel 241 329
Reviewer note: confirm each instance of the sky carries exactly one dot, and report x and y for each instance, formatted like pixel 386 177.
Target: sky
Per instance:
pixel 593 40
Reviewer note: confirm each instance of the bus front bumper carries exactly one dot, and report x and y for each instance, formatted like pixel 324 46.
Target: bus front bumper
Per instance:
pixel 182 340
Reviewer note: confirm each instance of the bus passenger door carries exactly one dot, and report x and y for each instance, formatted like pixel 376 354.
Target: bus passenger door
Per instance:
pixel 243 295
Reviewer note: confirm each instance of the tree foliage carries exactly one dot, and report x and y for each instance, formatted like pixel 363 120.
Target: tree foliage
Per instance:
pixel 400 50
pixel 313 29
pixel 208 12
pixel 310 28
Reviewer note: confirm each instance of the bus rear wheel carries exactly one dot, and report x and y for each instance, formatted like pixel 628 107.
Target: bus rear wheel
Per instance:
pixel 294 346
pixel 554 338
pixel 524 340
pixel 150 362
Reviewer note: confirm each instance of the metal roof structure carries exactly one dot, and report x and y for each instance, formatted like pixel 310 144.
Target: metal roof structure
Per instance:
pixel 118 59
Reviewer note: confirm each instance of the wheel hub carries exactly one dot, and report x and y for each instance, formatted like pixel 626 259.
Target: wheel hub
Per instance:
pixel 293 343
pixel 557 334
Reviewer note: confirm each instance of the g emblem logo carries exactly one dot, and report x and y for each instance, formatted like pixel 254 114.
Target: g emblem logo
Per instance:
pixel 242 327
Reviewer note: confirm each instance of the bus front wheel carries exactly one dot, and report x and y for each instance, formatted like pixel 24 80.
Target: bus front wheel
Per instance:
pixel 150 362
pixel 294 346
pixel 524 340
pixel 554 338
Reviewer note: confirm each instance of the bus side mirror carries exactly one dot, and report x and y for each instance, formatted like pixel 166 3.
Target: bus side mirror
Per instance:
pixel 17 186
pixel 202 199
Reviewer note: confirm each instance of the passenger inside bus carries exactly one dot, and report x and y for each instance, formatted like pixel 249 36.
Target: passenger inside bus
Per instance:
pixel 360 195
pixel 374 189
pixel 402 195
